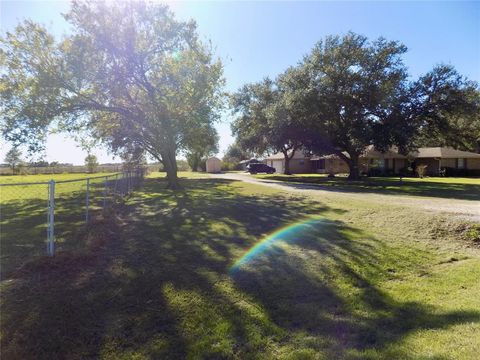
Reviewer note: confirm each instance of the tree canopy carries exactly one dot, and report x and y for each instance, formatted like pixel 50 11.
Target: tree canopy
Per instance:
pixel 129 73
pixel 13 158
pixel 268 118
pixel 349 93
pixel 91 163
pixel 363 96
pixel 204 143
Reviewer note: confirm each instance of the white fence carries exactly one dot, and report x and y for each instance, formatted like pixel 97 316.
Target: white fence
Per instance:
pixel 52 213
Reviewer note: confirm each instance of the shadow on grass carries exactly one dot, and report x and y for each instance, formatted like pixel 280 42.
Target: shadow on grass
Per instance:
pixel 328 290
pixel 158 284
pixel 23 222
pixel 383 186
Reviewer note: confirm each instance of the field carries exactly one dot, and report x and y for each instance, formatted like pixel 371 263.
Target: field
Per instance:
pixel 232 270
pixel 47 177
pixel 23 214
pixel 444 187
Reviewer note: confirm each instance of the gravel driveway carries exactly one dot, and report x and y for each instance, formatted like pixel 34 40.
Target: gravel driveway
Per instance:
pixel 466 209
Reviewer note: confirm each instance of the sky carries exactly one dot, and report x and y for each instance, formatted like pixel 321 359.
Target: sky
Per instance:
pixel 259 39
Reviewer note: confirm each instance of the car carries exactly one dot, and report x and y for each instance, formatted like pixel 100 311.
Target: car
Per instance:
pixel 256 168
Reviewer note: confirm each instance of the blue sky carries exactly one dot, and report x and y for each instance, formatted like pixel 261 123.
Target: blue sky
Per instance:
pixel 258 39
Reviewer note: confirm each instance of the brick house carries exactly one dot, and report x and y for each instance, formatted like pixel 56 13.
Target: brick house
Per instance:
pixel 437 159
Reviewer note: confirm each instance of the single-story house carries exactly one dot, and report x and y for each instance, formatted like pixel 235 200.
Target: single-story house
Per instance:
pixel 388 162
pixel 437 159
pixel 454 161
pixel 299 163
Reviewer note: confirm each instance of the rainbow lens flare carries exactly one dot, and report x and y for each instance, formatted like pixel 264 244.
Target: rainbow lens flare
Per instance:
pixel 288 233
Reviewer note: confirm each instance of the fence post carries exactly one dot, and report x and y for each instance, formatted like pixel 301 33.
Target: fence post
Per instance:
pixel 105 193
pixel 115 188
pixel 51 218
pixel 87 200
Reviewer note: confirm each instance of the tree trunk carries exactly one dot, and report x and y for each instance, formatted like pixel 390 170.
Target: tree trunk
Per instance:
pixel 286 170
pixel 353 166
pixel 195 162
pixel 170 165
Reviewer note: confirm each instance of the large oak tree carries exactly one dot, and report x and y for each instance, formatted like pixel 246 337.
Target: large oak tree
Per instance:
pixel 128 73
pixel 267 117
pixel 360 94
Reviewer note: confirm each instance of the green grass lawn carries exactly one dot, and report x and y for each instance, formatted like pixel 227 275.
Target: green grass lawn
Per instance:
pixel 230 270
pixel 23 214
pixel 457 188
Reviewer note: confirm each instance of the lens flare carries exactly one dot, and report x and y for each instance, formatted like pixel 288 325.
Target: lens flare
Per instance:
pixel 286 234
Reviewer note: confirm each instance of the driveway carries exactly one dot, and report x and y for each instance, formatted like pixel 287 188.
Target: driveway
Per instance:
pixel 465 209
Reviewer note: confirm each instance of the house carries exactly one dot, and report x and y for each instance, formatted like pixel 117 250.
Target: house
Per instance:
pixel 455 162
pixel 214 165
pixel 438 160
pixel 299 163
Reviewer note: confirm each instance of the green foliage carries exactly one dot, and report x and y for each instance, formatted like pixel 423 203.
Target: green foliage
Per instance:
pixel 448 110
pixel 230 165
pixel 357 87
pixel 183 165
pixel 473 233
pixel 349 93
pixel 236 153
pixel 268 116
pixel 13 158
pixel 129 74
pixel 91 163
pixel 203 144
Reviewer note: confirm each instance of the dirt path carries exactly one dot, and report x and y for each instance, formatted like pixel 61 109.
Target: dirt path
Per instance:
pixel 465 209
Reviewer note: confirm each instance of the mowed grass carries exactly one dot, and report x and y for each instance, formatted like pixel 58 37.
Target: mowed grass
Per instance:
pixel 23 214
pixel 164 279
pixel 444 187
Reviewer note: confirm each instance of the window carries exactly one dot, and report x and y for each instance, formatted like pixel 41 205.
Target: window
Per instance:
pixel 461 163
pixel 321 164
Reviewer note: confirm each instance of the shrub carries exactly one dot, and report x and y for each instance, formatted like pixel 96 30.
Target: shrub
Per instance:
pixel 421 170
pixel 461 172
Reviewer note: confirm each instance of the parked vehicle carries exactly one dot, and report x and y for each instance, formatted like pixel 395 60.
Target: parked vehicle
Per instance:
pixel 260 168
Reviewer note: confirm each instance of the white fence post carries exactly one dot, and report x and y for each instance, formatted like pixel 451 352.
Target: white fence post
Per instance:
pixel 87 200
pixel 51 218
pixel 115 187
pixel 105 193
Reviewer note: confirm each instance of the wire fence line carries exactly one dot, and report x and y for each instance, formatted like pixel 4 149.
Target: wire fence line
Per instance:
pixel 36 214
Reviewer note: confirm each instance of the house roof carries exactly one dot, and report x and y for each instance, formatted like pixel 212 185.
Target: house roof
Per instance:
pixel 391 153
pixel 444 153
pixel 279 156
pixel 329 156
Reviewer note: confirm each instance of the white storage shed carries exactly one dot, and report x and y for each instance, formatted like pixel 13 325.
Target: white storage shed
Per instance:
pixel 214 165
